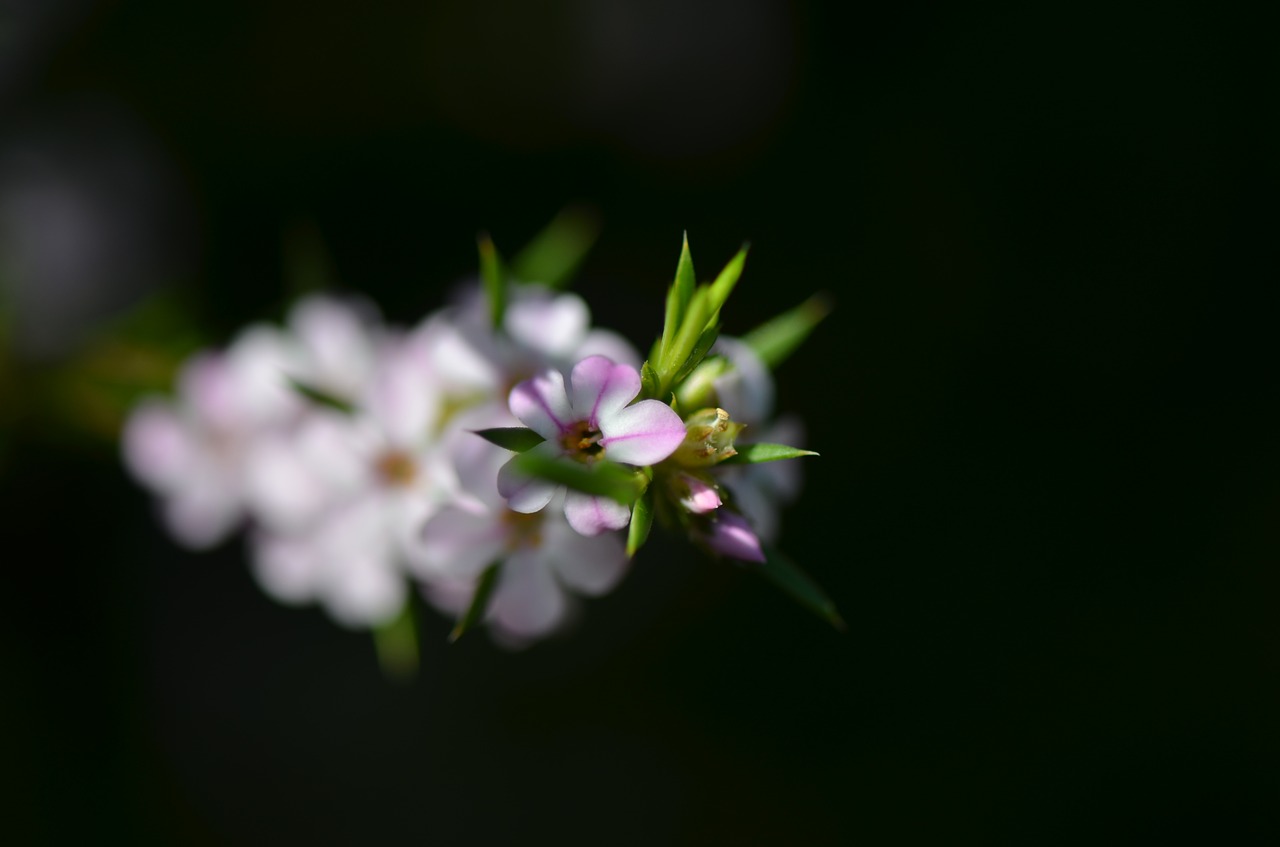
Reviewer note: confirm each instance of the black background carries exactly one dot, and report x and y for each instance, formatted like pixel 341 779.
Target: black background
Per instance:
pixel 1048 503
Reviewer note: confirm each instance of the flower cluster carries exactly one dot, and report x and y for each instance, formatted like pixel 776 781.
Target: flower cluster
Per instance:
pixel 366 459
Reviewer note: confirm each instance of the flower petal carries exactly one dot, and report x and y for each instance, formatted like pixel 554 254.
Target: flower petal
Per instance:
pixel 365 592
pixel 600 388
pixel 527 602
pixel 588 565
pixel 593 515
pixel 542 404
pixel 158 444
pixel 339 340
pixel 611 345
pixel 401 398
pixel 746 389
pixel 553 325
pixel 202 514
pixel 288 568
pixel 457 545
pixel 522 493
pixel 643 434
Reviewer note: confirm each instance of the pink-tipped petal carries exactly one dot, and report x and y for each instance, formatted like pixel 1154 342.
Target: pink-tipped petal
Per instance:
pixel 287 568
pixel 522 493
pixel 732 536
pixel 587 565
pixel 593 515
pixel 542 404
pixel 643 434
pixel 600 388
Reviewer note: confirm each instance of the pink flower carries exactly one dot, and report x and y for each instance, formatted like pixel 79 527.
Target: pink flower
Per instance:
pixel 587 421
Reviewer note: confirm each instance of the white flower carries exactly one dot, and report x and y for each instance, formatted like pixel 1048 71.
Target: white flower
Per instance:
pixel 342 498
pixel 544 561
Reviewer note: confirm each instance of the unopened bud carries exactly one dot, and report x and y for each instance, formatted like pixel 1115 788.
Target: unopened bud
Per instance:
pixel 709 437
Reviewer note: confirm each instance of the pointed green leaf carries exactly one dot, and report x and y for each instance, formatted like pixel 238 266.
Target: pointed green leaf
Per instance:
pixel 754 454
pixel 397 645
pixel 554 254
pixel 775 340
pixel 321 397
pixel 479 602
pixel 603 479
pixel 691 329
pixel 515 438
pixel 641 523
pixel 494 277
pixel 728 278
pixel 700 349
pixel 680 293
pixel 787 575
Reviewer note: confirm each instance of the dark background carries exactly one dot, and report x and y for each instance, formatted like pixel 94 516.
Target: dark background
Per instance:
pixel 1048 503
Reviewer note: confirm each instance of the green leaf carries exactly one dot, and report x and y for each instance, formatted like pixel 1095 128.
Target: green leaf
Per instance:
pixel 648 381
pixel 397 645
pixel 321 397
pixel 700 349
pixel 479 602
pixel 307 265
pixel 641 523
pixel 554 254
pixel 494 277
pixel 603 479
pixel 680 293
pixel 776 339
pixel 754 454
pixel 787 575
pixel 691 329
pixel 514 438
pixel 728 278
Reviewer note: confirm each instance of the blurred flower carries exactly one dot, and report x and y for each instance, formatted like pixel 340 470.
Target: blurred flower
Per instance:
pixel 192 450
pixel 588 422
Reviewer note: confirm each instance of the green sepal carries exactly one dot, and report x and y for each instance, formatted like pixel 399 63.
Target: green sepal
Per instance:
pixel 321 397
pixel 602 479
pixel 554 254
pixel 479 602
pixel 648 381
pixel 396 643
pixel 754 454
pixel 518 439
pixel 776 339
pixel 787 575
pixel 641 523
pixel 494 277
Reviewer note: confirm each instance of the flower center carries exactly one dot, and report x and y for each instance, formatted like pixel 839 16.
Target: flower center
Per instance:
pixel 522 530
pixel 582 442
pixel 396 469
